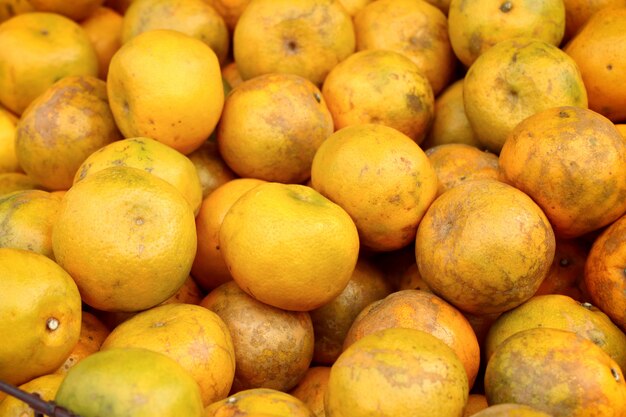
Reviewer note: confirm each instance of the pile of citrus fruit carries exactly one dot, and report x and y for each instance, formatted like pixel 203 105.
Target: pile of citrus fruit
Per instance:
pixel 314 208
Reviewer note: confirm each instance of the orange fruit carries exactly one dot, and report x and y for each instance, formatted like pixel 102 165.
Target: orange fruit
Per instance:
pixel 44 386
pixel 130 381
pixel 312 388
pixel 230 10
pixel 271 127
pixel 397 372
pixel 167 86
pixel 27 218
pixel 423 311
pixel 93 332
pixel 209 268
pixel 332 321
pixel 196 18
pixel 289 246
pixel 514 80
pixel 137 239
pixel 475 27
pixel 354 6
pixel 16 181
pixel 259 402
pixel 150 156
pixel 605 272
pixel 40 306
pixel 457 240
pixel 10 8
pixel 193 336
pixel 450 124
pixel 306 38
pixel 396 182
pixel 456 163
pixel 555 371
pixel 566 275
pixel 61 128
pixel 578 12
pixel 622 129
pixel 211 168
pixel 475 403
pixel 75 10
pixel 419 30
pixel 104 29
pixel 574 169
pixel 560 312
pixel 272 356
pixel 188 293
pixel 598 50
pixel 510 410
pixel 39 49
pixel 8 157
pixel 231 75
pixel 354 93
pixel 412 280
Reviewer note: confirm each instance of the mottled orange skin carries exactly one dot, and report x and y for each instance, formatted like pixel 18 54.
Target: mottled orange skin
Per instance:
pixel 93 332
pixel 259 402
pixel 420 31
pixel 17 181
pixel 26 221
pixel 38 49
pixel 196 338
pixel 332 321
pixel 456 163
pixel 306 38
pixel 484 246
pixel 104 29
pixel 622 129
pixel 566 275
pixel 578 12
pixel 273 347
pixel 395 181
pixel 196 18
pixel 211 168
pixel 477 26
pixel 599 50
pixel 62 127
pixel 356 87
pixel 312 388
pixel 605 272
pixel 397 372
pixel 450 124
pixel 556 371
pixel 271 127
pixel 572 162
pixel 209 268
pixel 423 311
pixel 515 79
pixel 510 410
pixel 560 312
pixel 76 10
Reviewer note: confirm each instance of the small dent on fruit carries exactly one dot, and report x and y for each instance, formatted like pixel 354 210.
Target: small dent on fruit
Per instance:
pixel 158 324
pixel 317 97
pixel 609 67
pixel 563 114
pixel 52 324
pixel 615 374
pixel 139 221
pixel 506 7
pixel 44 32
